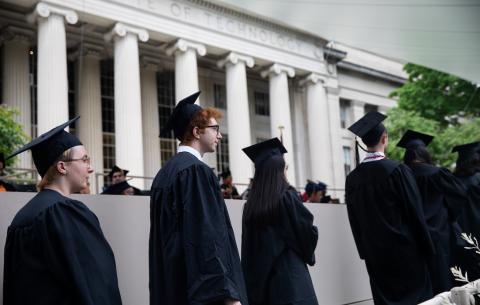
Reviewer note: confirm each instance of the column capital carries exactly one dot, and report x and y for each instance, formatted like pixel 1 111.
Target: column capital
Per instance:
pixel 183 45
pixel 312 79
pixel 150 63
pixel 235 58
pixel 44 10
pixel 89 50
pixel 16 34
pixel 121 30
pixel 278 69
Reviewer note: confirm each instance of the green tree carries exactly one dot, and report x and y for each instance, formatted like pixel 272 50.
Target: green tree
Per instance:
pixel 11 132
pixel 438 104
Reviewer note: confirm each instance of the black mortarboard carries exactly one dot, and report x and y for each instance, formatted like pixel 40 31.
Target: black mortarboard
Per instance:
pixel 465 151
pixel 117 188
pixel 412 139
pixel 260 152
pixel 49 146
pixel 181 115
pixel 369 128
pixel 116 169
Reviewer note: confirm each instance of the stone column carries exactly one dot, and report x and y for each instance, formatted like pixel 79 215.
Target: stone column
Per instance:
pixel 150 120
pixel 238 116
pixel 186 72
pixel 338 172
pixel 89 107
pixel 52 86
pixel 318 129
pixel 128 107
pixel 358 111
pixel 280 118
pixel 16 81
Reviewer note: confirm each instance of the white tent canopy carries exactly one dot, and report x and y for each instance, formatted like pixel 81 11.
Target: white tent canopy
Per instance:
pixel 440 34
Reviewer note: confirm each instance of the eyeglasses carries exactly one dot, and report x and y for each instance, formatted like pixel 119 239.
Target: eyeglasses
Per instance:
pixel 216 127
pixel 85 159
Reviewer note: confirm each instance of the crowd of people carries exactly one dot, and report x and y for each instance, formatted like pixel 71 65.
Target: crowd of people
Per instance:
pixel 405 219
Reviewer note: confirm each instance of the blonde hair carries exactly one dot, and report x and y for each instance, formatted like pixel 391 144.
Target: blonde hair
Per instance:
pixel 52 172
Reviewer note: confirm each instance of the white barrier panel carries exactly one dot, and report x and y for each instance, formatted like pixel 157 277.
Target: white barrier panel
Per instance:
pixel 339 276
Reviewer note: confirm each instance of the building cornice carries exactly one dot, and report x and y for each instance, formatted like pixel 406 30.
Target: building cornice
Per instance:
pixel 371 72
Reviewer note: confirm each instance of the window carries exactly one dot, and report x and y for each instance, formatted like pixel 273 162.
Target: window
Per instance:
pixel 220 96
pixel 166 103
pixel 262 106
pixel 344 107
pixel 32 60
pixel 369 108
pixel 108 115
pixel 71 93
pixel 222 154
pixel 347 159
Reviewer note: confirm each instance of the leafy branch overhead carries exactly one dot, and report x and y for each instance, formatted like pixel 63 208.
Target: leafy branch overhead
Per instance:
pixel 11 133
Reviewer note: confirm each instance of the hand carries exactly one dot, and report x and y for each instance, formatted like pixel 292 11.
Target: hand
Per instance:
pixel 232 302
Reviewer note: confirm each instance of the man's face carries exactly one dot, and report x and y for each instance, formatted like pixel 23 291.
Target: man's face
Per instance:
pixel 210 137
pixel 316 196
pixel 118 177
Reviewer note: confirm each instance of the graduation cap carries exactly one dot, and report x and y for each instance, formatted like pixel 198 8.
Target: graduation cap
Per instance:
pixel 466 151
pixel 181 115
pixel 116 169
pixel 117 188
pixel 260 152
pixel 49 146
pixel 413 139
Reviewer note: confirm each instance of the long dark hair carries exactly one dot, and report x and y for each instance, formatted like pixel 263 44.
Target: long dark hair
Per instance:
pixel 418 154
pixel 468 166
pixel 268 186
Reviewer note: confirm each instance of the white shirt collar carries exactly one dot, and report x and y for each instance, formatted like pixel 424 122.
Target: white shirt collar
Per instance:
pixel 373 156
pixel 189 149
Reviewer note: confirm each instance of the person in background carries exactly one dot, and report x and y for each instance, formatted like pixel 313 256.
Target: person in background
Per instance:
pixel 278 235
pixel 117 174
pixel 385 212
pixel 4 185
pixel 247 191
pixel 55 252
pixel 443 197
pixel 119 185
pixel 193 256
pixel 229 191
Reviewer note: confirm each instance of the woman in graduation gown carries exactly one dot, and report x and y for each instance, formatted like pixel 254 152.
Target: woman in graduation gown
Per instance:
pixel 468 171
pixel 278 235
pixel 443 197
pixel 55 252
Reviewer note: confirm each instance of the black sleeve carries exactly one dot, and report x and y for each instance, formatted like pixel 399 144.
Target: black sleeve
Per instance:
pixel 354 225
pixel 455 191
pixel 407 190
pixel 301 221
pixel 208 251
pixel 79 255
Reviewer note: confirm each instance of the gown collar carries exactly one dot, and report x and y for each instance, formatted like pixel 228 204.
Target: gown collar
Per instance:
pixel 189 149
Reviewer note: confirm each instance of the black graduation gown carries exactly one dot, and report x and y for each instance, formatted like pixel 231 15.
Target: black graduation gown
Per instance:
pixel 56 253
pixel 385 212
pixel 275 257
pixel 469 220
pixel 444 196
pixel 193 255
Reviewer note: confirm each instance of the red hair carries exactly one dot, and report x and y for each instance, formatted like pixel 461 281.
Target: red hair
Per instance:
pixel 201 119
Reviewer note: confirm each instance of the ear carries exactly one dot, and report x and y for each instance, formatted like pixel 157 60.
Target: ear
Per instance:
pixel 61 167
pixel 196 132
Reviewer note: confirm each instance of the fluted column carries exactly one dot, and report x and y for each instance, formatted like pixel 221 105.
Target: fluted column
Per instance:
pixel 128 107
pixel 238 115
pixel 52 85
pixel 186 72
pixel 318 128
pixel 280 117
pixel 151 128
pixel 16 81
pixel 358 111
pixel 89 107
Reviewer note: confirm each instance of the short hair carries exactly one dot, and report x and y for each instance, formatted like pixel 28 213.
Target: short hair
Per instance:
pixel 52 172
pixel 200 120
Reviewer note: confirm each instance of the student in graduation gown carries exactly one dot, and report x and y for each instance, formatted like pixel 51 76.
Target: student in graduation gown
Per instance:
pixel 117 176
pixel 443 196
pixel 384 207
pixel 193 254
pixel 55 252
pixel 278 235
pixel 468 171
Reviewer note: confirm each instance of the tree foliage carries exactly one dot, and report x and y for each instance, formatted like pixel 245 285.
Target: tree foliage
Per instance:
pixel 11 132
pixel 438 104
